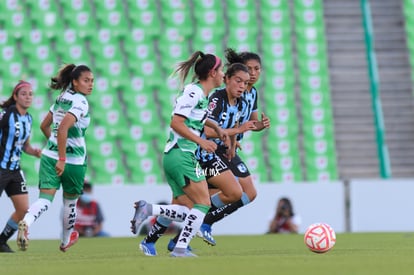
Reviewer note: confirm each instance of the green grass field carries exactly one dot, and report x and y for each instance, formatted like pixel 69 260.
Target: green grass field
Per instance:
pixel 375 253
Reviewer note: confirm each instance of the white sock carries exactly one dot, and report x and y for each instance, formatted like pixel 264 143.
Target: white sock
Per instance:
pixel 173 212
pixel 190 227
pixel 36 210
pixel 69 219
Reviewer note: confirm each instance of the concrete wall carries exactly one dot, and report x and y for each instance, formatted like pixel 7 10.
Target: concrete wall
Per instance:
pixel 375 205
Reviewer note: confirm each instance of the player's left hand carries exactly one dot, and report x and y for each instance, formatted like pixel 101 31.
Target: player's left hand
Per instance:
pixel 265 121
pixel 60 167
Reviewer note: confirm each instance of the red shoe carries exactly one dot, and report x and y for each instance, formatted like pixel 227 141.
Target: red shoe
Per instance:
pixel 74 236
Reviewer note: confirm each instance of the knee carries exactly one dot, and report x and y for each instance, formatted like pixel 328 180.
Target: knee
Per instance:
pixel 252 194
pixel 235 195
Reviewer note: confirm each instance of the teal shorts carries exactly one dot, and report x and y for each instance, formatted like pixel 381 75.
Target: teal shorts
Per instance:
pixel 180 167
pixel 71 180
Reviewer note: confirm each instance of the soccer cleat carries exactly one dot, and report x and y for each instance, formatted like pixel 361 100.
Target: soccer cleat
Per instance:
pixel 171 246
pixel 148 248
pixel 185 254
pixel 22 233
pixel 141 213
pixel 74 236
pixel 4 247
pixel 205 233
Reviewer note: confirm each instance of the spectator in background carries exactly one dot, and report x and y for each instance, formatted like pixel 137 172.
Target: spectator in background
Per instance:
pixel 285 220
pixel 89 222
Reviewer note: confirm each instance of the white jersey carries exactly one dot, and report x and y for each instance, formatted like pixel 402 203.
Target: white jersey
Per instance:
pixel 193 105
pixel 76 104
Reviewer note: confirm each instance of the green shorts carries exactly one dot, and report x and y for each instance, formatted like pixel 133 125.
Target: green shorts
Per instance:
pixel 71 180
pixel 180 167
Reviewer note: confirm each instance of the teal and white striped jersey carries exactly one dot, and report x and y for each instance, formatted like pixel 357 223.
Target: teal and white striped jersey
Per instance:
pixel 76 104
pixel 192 104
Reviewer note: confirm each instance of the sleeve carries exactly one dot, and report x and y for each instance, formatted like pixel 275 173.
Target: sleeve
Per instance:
pixel 254 109
pixel 186 102
pixel 80 108
pixel 215 108
pixel 4 115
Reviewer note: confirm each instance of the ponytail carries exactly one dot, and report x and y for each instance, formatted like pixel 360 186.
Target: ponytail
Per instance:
pixel 66 74
pixel 203 65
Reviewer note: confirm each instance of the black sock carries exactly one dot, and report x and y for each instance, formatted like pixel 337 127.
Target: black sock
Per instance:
pixel 8 231
pixel 219 213
pixel 156 231
pixel 175 240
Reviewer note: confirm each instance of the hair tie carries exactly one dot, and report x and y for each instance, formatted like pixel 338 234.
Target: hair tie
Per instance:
pixel 218 61
pixel 20 85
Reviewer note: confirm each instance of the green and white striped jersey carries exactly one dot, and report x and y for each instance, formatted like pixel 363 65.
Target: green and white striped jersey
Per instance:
pixel 192 104
pixel 76 104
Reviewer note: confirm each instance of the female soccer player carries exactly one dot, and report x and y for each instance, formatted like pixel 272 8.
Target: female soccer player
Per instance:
pixel 191 200
pixel 226 107
pixel 63 161
pixel 15 129
pixel 236 164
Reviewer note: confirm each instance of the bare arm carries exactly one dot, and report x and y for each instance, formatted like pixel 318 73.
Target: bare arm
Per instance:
pixel 45 125
pixel 260 124
pixel 62 136
pixel 28 149
pixel 249 125
pixel 178 124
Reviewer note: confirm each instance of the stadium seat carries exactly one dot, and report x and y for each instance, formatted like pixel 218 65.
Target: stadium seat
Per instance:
pixel 285 168
pixel 139 37
pixel 78 15
pixel 114 70
pixel 149 69
pixel 213 47
pixel 136 85
pixel 12 68
pixel 242 18
pixel 321 167
pixel 45 15
pixel 144 14
pixel 108 170
pixel 316 108
pixel 110 15
pixel 172 52
pixel 208 5
pixel 146 170
pixel 275 17
pixel 147 118
pixel 243 38
pixel 71 48
pixel 179 18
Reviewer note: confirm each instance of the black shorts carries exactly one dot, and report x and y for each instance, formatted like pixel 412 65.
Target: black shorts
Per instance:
pixel 13 182
pixel 214 167
pixel 237 166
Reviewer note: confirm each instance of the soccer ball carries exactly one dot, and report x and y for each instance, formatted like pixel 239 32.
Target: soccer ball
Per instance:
pixel 320 237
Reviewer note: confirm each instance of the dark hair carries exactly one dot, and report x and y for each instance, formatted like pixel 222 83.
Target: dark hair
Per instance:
pixel 233 57
pixel 234 68
pixel 87 185
pixel 65 76
pixel 288 204
pixel 11 101
pixel 203 64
